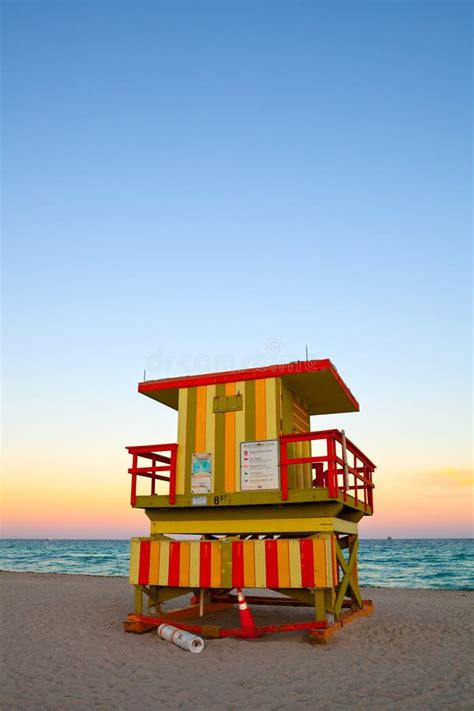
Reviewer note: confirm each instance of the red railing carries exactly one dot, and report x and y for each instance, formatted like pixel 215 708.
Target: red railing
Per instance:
pixel 343 468
pixel 154 471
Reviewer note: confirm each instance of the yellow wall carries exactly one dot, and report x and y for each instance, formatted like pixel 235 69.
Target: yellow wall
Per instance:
pixel 269 408
pixel 200 430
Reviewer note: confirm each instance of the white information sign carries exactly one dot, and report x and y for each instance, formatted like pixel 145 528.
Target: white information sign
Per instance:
pixel 259 465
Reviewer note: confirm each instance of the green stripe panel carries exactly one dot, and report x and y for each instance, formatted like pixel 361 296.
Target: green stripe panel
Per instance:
pixel 219 451
pixel 190 437
pixel 250 410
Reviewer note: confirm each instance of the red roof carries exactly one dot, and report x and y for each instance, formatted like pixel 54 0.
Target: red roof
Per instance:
pixel 316 381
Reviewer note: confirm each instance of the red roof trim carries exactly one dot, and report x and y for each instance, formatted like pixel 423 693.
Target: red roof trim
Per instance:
pixel 230 376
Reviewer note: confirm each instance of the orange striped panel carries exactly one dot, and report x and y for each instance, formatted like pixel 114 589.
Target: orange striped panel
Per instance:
pixel 201 397
pixel 307 562
pixel 249 564
pixel 319 557
pixel 283 563
pixel 184 559
pixel 154 562
pixel 216 565
pixel 271 563
pixel 260 567
pixel 173 572
pixel 260 410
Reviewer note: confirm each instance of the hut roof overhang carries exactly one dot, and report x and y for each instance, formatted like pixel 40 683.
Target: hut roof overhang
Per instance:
pixel 317 382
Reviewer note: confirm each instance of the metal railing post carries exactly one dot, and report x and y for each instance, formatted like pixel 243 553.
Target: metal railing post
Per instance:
pixel 332 467
pixel 284 471
pixel 173 475
pixel 344 459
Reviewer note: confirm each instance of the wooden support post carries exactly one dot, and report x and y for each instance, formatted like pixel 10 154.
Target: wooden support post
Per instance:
pixel 347 580
pixel 319 605
pixel 138 600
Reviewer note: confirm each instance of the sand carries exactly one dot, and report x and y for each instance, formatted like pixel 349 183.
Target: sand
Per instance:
pixel 63 647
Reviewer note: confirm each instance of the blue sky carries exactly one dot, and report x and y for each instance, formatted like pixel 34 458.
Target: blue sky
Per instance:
pixel 236 180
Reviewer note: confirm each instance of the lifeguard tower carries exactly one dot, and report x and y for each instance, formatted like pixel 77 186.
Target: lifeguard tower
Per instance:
pixel 261 501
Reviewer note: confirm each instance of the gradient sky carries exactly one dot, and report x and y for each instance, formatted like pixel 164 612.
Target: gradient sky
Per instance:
pixel 193 187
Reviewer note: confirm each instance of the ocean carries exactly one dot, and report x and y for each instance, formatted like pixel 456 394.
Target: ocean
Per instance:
pixel 442 564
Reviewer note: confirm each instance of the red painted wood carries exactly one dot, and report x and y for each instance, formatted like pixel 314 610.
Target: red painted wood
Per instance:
pixel 173 475
pixel 144 566
pixel 226 632
pixel 173 569
pixel 307 563
pixel 205 564
pixel 284 471
pixel 332 476
pixel 319 470
pixel 230 376
pixel 238 564
pixel 271 563
pixel 133 492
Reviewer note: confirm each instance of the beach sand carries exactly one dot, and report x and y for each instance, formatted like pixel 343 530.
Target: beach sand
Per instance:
pixel 63 647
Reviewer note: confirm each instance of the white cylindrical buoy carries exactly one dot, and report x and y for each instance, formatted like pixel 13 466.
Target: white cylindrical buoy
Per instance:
pixel 181 638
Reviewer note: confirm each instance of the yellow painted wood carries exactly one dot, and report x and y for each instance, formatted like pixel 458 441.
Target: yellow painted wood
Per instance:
pixel 243 498
pixel 181 454
pixel 194 558
pixel 216 564
pixel 226 555
pixel 335 569
pixel 184 554
pixel 249 564
pixel 284 579
pixel 260 410
pixel 164 563
pixel 260 569
pixel 328 551
pixel 271 408
pixel 239 434
pixel 229 456
pixel 319 557
pixel 295 563
pixel 232 524
pixel 134 560
pixel 138 600
pixel 341 526
pixel 201 401
pixel 319 605
pixel 154 562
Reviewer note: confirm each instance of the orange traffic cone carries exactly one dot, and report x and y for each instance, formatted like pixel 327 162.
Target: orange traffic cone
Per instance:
pixel 246 619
